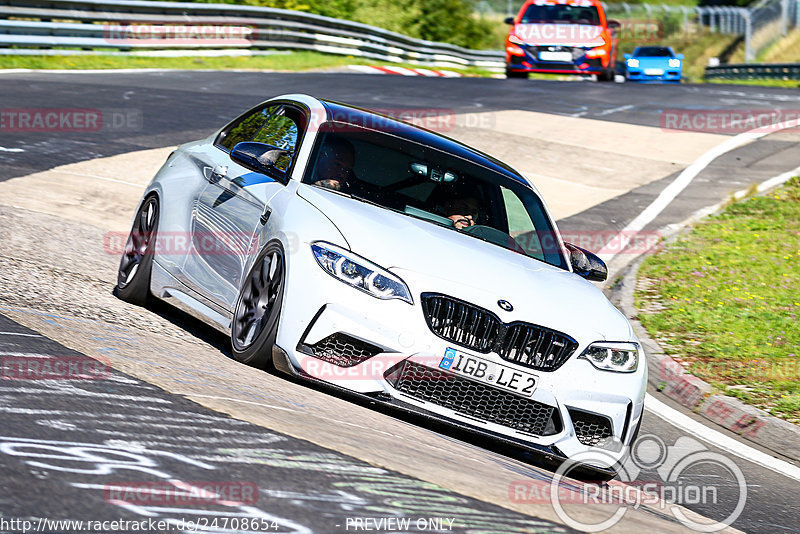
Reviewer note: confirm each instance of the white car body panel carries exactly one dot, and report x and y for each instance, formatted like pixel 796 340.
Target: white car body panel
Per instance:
pixel 428 258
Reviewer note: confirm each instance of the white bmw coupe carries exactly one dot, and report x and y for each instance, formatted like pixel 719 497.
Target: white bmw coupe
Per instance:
pixel 347 247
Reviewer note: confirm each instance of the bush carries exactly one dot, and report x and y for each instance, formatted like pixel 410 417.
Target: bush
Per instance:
pixel 448 21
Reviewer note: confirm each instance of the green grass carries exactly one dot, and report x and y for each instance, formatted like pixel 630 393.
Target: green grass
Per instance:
pixel 791 84
pixel 292 61
pixel 725 299
pixel 697 47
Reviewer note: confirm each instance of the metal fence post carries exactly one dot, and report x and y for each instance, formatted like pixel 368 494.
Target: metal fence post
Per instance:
pixel 748 37
pixel 685 19
pixel 784 16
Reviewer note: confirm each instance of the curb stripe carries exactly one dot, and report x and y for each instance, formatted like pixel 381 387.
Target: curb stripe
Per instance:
pixel 717 439
pixel 403 71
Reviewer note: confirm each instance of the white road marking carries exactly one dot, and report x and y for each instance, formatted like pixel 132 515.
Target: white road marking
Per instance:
pixel 190 395
pixel 683 180
pixel 28 355
pixel 719 440
pixel 615 110
pixel 4 149
pixel 96 177
pixel 19 334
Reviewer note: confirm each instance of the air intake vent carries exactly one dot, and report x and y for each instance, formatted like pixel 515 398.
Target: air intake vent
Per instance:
pixel 474 399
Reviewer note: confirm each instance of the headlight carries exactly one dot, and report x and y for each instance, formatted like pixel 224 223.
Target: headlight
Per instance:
pixel 596 52
pixel 674 63
pixel 633 62
pixel 610 356
pixel 516 40
pixel 362 274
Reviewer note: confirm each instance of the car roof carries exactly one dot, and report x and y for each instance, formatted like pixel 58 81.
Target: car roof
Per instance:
pixel 568 2
pixel 639 49
pixel 337 111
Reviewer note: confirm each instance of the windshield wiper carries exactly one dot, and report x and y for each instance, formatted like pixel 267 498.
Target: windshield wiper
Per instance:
pixel 365 200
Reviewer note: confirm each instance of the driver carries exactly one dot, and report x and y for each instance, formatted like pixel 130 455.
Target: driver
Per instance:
pixel 464 211
pixel 335 165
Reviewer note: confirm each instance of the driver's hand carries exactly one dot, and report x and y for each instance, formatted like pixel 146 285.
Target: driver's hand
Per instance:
pixel 462 221
pixel 330 183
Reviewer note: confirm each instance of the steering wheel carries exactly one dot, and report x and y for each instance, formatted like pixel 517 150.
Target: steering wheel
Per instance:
pixel 493 235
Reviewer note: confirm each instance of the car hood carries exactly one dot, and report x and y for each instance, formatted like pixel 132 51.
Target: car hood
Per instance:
pixel 430 258
pixel 653 62
pixel 548 33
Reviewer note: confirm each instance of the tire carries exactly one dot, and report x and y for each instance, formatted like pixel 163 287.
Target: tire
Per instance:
pixel 606 76
pixel 514 74
pixel 135 266
pixel 255 318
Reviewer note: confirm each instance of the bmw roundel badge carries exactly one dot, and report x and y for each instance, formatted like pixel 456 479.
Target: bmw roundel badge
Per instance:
pixel 504 304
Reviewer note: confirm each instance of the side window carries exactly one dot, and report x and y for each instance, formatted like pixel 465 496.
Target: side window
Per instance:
pixel 520 225
pixel 272 125
pixel 247 128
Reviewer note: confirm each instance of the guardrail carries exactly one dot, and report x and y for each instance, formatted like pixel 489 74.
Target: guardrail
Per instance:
pixel 755 71
pixel 94 26
pixel 761 24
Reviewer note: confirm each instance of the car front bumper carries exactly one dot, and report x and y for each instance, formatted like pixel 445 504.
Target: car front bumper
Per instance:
pixel 345 338
pixel 641 76
pixel 530 63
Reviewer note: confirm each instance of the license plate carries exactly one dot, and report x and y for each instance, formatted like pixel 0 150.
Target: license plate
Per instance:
pixel 654 72
pixel 556 56
pixel 494 374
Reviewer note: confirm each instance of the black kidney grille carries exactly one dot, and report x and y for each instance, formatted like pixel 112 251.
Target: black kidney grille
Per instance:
pixel 478 329
pixel 474 399
pixel 536 347
pixel 461 323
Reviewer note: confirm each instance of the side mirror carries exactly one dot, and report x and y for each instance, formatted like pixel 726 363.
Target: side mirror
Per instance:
pixel 614 24
pixel 263 158
pixel 679 56
pixel 628 56
pixel 509 20
pixel 586 264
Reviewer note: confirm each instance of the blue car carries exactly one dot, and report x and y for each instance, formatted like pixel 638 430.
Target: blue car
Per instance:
pixel 653 64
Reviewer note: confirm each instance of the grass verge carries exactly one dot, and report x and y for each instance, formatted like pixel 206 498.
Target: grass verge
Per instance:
pixel 291 61
pixel 790 84
pixel 724 300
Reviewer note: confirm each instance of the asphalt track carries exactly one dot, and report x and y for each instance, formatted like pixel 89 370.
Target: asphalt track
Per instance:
pixel 180 106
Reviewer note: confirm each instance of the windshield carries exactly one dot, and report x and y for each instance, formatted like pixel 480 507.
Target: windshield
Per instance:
pixel 563 13
pixel 440 188
pixel 652 51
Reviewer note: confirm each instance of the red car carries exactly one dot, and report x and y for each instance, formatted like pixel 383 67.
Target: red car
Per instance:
pixel 562 36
